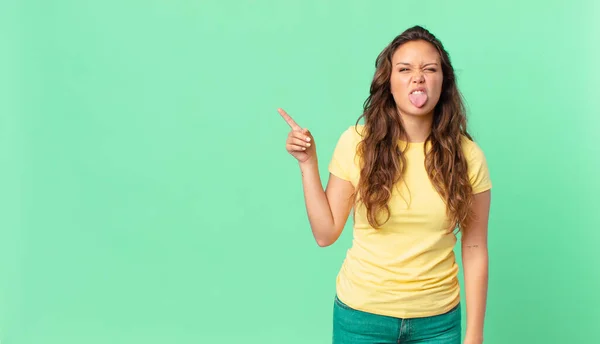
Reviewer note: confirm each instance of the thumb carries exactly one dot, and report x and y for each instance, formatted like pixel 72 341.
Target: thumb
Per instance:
pixel 308 134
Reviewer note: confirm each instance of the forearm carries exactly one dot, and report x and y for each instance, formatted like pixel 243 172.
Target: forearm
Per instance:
pixel 317 206
pixel 475 267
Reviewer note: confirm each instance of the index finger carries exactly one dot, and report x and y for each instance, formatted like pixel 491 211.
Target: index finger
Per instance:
pixel 289 119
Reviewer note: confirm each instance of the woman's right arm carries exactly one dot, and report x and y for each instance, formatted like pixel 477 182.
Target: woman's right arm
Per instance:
pixel 328 209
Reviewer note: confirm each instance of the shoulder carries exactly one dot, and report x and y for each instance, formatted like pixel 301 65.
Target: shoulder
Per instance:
pixel 345 162
pixel 472 150
pixel 477 166
pixel 354 132
pixel 351 136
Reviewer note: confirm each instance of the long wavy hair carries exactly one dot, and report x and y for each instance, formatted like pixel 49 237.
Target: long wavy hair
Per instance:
pixel 382 158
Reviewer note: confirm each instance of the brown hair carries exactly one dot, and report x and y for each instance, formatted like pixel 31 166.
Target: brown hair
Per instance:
pixel 382 159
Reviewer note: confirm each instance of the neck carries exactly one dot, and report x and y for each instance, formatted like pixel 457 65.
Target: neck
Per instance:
pixel 417 128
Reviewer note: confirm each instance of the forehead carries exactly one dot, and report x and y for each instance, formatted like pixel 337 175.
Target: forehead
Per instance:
pixel 416 52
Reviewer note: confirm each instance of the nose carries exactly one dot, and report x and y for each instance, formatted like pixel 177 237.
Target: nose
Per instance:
pixel 418 78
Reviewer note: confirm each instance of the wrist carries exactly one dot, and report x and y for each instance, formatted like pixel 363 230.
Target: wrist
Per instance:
pixel 308 164
pixel 473 339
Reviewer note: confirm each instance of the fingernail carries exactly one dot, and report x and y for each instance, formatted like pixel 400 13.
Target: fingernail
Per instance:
pixel 308 145
pixel 308 139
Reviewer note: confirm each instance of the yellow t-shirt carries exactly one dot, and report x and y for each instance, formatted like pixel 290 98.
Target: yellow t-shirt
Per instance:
pixel 407 268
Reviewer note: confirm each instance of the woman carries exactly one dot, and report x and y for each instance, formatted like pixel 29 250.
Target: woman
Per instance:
pixel 413 176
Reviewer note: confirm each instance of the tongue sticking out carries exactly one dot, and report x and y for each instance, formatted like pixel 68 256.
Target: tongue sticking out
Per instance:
pixel 418 99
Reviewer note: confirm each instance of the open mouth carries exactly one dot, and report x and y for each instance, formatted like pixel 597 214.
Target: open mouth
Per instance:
pixel 418 97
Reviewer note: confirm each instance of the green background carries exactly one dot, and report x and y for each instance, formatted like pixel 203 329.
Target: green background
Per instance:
pixel 146 195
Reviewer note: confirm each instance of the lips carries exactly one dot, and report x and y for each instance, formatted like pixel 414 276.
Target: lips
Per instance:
pixel 418 89
pixel 418 96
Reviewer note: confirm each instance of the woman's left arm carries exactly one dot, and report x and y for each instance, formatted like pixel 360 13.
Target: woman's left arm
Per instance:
pixel 475 267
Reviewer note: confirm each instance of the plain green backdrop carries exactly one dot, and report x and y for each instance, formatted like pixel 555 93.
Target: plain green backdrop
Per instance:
pixel 146 195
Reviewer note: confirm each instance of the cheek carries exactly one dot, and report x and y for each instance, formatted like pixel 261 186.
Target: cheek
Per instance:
pixel 436 83
pixel 398 83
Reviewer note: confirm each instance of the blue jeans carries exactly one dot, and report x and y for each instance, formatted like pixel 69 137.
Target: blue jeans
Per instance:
pixel 351 326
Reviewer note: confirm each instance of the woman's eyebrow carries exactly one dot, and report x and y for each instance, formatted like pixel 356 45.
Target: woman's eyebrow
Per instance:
pixel 408 64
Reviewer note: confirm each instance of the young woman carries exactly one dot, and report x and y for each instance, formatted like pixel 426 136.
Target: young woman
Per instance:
pixel 414 177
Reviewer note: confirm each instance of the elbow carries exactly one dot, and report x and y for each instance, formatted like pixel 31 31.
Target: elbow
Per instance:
pixel 326 236
pixel 324 242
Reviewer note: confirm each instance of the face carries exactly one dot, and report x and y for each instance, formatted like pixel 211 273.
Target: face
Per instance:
pixel 416 78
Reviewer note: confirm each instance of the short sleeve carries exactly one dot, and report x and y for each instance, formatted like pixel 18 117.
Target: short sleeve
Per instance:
pixel 342 163
pixel 479 174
